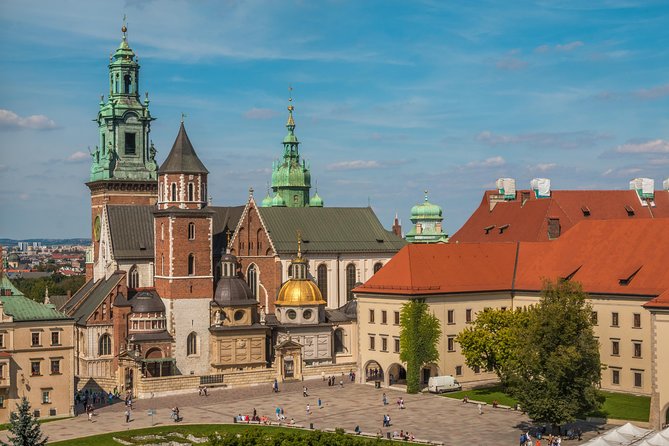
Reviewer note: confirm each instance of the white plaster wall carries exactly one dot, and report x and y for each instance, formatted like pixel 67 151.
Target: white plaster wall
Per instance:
pixel 145 269
pixel 186 316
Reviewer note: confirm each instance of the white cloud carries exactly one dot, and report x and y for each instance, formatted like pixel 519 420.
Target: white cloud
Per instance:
pixel 543 167
pixel 9 119
pixel 355 165
pixel 560 140
pixel 622 173
pixel 260 113
pixel 653 146
pixel 495 161
pixel 78 156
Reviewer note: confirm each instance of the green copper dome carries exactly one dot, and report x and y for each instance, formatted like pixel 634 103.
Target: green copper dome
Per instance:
pixel 277 201
pixel 267 201
pixel 316 201
pixel 426 210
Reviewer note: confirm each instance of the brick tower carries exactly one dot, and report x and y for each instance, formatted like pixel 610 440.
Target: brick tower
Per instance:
pixel 184 271
pixel 123 169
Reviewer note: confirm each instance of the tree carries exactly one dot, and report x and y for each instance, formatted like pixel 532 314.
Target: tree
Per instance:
pixel 24 427
pixel 492 340
pixel 419 335
pixel 556 368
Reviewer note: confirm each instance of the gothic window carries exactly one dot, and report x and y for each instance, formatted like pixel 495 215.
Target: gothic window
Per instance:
pixel 116 89
pixel 104 345
pixel 190 192
pixel 191 344
pixel 126 84
pixel 130 144
pixel 339 340
pixel 350 281
pixel 377 267
pixel 322 273
pixel 174 192
pixel 162 231
pixel 252 278
pixel 133 277
pixel 191 231
pixel 290 271
pixel 191 264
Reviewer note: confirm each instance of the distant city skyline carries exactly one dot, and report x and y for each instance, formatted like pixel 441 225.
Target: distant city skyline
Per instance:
pixel 391 98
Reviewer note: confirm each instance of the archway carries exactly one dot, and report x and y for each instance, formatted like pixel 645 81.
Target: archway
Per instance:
pixel 373 371
pixel 665 419
pixel 153 363
pixel 397 374
pixel 428 371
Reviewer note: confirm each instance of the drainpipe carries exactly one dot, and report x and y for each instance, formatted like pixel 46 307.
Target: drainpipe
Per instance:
pixel 338 284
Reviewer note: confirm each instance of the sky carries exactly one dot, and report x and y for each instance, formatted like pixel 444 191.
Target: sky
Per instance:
pixel 391 97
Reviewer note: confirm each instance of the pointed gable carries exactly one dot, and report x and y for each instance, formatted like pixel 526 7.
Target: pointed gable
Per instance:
pixel 182 157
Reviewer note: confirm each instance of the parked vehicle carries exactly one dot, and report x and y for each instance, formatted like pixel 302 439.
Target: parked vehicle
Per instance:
pixel 440 384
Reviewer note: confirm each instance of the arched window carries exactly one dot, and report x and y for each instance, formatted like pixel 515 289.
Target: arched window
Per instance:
pixel 190 192
pixel 174 192
pixel 133 277
pixel 252 278
pixel 126 84
pixel 191 264
pixel 290 271
pixel 162 231
pixel 350 280
pixel 191 344
pixel 322 274
pixel 339 341
pixel 191 231
pixel 104 345
pixel 377 267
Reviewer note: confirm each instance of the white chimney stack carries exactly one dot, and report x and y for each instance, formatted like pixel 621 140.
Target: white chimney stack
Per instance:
pixel 507 187
pixel 541 187
pixel 645 187
pixel 665 184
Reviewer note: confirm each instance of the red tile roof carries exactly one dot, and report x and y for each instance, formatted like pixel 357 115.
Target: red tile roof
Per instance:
pixel 620 257
pixel 527 220
pixel 5 355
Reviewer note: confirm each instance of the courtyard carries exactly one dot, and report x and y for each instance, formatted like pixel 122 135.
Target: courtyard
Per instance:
pixel 428 417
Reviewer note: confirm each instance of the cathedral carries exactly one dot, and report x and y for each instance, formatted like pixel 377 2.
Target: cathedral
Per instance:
pixel 180 289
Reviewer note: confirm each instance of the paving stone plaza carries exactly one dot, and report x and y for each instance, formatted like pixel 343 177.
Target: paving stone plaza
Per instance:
pixel 428 417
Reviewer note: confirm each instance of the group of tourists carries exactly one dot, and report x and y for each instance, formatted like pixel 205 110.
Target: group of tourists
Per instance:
pixel 202 391
pixel 374 374
pixel 174 415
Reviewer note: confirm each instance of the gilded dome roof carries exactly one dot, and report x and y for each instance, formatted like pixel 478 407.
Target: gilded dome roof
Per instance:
pixel 300 292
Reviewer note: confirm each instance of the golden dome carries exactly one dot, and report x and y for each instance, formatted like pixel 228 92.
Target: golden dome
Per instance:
pixel 300 292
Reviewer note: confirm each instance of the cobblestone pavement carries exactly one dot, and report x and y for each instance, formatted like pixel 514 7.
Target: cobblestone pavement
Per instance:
pixel 429 417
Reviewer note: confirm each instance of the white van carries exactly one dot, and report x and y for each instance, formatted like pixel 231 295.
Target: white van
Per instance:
pixel 440 384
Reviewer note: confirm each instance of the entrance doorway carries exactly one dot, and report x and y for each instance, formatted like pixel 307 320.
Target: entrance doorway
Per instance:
pixel 288 368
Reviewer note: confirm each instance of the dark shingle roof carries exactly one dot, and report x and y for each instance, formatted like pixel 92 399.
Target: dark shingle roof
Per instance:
pixel 182 157
pixel 131 229
pixel 328 230
pixel 59 300
pixel 78 296
pixel 225 218
pixel 89 303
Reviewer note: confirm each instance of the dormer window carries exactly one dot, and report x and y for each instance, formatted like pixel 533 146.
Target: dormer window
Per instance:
pixel 630 210
pixel 487 229
pixel 586 211
pixel 503 228
pixel 627 276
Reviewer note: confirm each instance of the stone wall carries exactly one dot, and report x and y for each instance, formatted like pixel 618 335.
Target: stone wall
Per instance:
pixel 148 387
pixel 313 372
pixel 249 378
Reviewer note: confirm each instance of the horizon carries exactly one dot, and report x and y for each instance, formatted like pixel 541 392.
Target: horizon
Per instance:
pixel 390 99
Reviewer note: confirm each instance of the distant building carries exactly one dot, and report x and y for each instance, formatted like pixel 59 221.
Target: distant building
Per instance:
pixel 427 221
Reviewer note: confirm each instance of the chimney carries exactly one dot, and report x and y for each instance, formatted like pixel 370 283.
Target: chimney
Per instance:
pixel 541 187
pixel 644 187
pixel 665 184
pixel 507 188
pixel 397 227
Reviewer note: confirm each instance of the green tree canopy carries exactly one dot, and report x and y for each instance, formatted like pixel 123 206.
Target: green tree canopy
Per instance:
pixel 556 368
pixel 25 428
pixel 492 339
pixel 419 336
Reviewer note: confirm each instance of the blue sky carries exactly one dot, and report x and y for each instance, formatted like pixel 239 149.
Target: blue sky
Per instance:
pixel 391 97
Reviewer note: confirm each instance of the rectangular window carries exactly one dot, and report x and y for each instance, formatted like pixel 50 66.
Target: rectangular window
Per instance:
pixel 615 376
pixel 451 343
pixel 2 340
pixel 637 349
pixel 637 320
pixel 130 147
pixel 614 319
pixel 637 379
pixel 458 370
pixel 397 318
pixel 384 317
pixel 397 345
pixel 384 344
pixel 371 316
pixel 35 368
pixel 2 402
pixel 468 315
pixel 37 413
pixel 46 397
pixel 593 318
pixel 55 366
pixel 476 369
pixel 615 348
pixel 372 342
pixel 34 338
pixel 55 338
pixel 451 316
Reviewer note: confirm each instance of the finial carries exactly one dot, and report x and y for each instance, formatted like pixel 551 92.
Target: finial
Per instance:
pixel 146 97
pixel 425 195
pixel 47 301
pixel 250 192
pixel 227 246
pixel 290 100
pixel 316 186
pixel 299 244
pixel 124 28
pixel 183 115
pixel 102 99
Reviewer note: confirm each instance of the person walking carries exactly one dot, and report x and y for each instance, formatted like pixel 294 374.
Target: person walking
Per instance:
pixel 480 407
pixel 127 414
pixel 320 406
pixel 385 399
pixel 304 392
pixel 308 409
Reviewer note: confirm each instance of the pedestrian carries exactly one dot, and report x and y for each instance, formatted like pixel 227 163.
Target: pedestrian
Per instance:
pixel 341 383
pixel 89 412
pixel 480 407
pixel 385 399
pixel 319 403
pixel 176 414
pixel 278 413
pixel 254 413
pixel 276 385
pixel 199 391
pixel 308 409
pixel 304 392
pixel 204 389
pixel 127 415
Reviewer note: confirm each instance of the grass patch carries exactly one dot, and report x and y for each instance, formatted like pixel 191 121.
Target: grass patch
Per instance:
pixel 621 406
pixel 203 430
pixel 5 426
pixel 486 394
